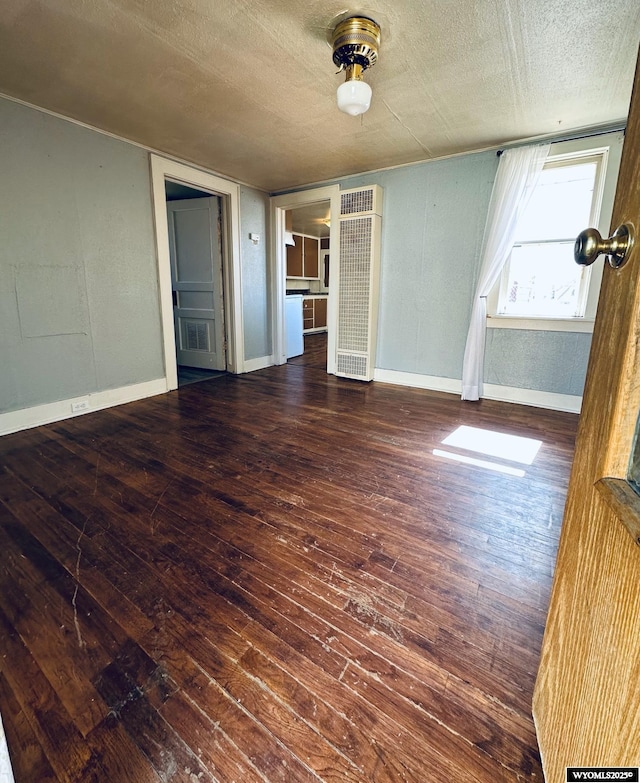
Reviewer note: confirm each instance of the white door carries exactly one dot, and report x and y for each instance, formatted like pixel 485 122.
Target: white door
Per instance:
pixel 195 244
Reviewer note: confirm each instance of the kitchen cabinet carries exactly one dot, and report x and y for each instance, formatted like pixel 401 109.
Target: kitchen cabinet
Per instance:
pixel 314 313
pixel 320 312
pixel 307 314
pixel 310 257
pixel 302 257
pixel 295 265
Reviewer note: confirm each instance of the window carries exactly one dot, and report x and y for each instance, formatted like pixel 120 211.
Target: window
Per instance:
pixel 541 278
pixel 541 286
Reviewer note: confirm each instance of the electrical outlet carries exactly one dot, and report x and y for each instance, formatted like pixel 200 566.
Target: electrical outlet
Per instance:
pixel 81 405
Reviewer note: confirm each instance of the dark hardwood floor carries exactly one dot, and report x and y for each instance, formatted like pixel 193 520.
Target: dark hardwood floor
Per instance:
pixel 273 578
pixel 187 375
pixel 315 351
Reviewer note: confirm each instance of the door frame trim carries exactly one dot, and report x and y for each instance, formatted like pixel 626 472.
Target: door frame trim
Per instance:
pixel 162 169
pixel 279 205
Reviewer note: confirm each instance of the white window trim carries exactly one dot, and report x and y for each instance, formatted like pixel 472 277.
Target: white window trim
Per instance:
pixel 610 145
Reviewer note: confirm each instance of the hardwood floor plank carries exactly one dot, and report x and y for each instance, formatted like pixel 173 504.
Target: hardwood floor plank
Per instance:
pixel 273 759
pixel 61 741
pixel 52 633
pixel 376 763
pixel 116 757
pixel 462 750
pixel 360 601
pixel 244 601
pixel 60 538
pixel 135 688
pixel 272 578
pixel 284 723
pixel 281 477
pixel 28 759
pixel 465 710
pixel 205 737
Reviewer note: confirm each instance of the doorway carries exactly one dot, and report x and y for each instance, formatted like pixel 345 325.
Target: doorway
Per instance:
pixel 227 196
pixel 307 282
pixel 308 210
pixel 196 245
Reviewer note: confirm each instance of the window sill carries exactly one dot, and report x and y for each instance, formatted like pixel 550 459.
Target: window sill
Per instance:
pixel 541 324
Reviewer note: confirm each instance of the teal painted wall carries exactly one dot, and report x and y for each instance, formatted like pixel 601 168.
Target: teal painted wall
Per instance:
pixel 432 227
pixel 79 301
pixel 432 232
pixel 79 308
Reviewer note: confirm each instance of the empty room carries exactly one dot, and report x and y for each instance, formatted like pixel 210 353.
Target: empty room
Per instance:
pixel 319 392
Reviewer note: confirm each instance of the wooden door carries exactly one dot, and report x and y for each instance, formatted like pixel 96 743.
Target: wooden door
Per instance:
pixel 294 258
pixel 310 257
pixel 320 312
pixel 195 245
pixel 587 696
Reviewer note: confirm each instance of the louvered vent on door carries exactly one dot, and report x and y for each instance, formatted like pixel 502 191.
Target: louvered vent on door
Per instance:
pixel 196 336
pixel 358 282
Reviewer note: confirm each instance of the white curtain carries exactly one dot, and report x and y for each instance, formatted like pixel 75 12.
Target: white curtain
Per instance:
pixel 518 173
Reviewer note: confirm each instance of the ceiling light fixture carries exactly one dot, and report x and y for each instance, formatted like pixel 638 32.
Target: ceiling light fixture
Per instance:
pixel 355 48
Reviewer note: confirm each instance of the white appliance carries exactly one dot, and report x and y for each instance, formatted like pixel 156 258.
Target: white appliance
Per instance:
pixel 293 325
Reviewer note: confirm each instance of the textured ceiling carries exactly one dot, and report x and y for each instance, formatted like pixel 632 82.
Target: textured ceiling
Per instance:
pixel 248 88
pixel 312 219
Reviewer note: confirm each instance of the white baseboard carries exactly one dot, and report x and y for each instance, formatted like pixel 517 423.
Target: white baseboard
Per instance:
pixel 431 382
pixel 251 365
pixel 24 419
pixel 537 399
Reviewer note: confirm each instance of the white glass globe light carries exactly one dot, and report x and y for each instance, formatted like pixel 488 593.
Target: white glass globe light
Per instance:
pixel 354 97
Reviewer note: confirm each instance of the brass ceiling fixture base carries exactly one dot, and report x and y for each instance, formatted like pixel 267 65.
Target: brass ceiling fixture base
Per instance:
pixel 355 48
pixel 355 44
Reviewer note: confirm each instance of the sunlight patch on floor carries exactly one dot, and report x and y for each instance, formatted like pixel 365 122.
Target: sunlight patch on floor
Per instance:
pixel 481 463
pixel 513 448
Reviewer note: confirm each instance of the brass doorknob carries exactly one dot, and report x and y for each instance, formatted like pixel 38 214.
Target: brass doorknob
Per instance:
pixel 590 244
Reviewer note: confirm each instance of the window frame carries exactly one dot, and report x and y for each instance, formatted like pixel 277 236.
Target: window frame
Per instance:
pixel 607 149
